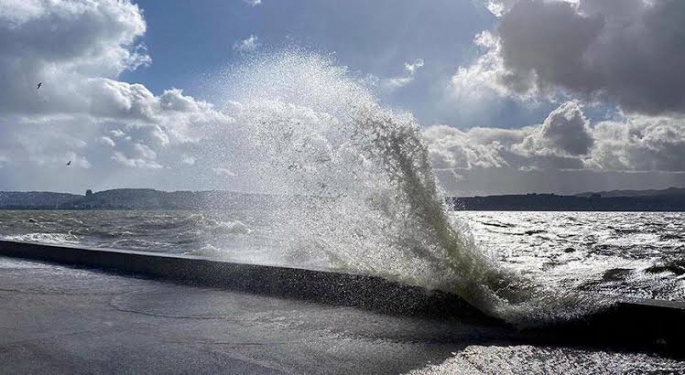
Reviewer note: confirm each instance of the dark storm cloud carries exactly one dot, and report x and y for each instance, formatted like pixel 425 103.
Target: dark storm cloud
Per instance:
pixel 631 52
pixel 545 43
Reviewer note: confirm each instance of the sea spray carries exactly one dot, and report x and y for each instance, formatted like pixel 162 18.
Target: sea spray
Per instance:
pixel 356 187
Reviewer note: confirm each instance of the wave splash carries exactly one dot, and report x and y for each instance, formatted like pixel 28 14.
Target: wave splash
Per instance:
pixel 358 192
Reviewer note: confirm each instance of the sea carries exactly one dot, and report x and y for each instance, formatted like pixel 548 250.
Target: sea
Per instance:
pixel 625 254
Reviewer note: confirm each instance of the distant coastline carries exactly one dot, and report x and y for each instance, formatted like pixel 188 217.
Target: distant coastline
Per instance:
pixel 667 200
pixel 128 199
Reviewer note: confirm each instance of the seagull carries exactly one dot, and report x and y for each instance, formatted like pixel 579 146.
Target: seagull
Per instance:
pixel 39 85
pixel 69 163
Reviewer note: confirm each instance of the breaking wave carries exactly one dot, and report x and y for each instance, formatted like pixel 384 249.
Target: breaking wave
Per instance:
pixel 358 190
pixel 47 238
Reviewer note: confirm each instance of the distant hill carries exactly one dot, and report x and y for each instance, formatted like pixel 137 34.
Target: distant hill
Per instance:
pixel 35 200
pixel 634 193
pixel 130 199
pixel 672 199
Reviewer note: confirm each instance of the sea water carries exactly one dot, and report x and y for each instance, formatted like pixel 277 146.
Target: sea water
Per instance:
pixel 628 254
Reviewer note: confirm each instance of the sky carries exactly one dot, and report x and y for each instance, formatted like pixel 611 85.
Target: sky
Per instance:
pixel 512 96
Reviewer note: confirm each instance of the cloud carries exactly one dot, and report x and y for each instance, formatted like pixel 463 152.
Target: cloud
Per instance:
pixel 78 49
pixel 253 3
pixel 117 133
pixel 484 79
pixel 107 141
pixel 410 70
pixel 623 51
pixel 135 162
pixel 38 143
pixel 640 143
pixel 61 44
pixel 450 148
pixel 563 146
pixel 224 172
pixel 565 131
pixel 500 7
pixel 250 44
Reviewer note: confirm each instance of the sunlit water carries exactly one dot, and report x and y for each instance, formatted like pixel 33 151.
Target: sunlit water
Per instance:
pixel 525 359
pixel 626 254
pixel 623 253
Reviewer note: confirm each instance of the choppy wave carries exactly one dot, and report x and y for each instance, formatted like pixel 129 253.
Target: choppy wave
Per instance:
pixel 523 359
pixel 585 252
pixel 173 232
pixel 48 238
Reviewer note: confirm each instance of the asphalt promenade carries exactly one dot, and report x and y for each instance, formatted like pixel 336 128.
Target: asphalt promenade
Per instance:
pixel 84 311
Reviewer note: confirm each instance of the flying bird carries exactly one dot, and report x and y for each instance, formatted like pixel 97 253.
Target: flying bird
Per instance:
pixel 40 84
pixel 69 163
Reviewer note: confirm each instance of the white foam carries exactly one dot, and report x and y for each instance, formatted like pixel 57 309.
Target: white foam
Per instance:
pixel 47 238
pixel 524 359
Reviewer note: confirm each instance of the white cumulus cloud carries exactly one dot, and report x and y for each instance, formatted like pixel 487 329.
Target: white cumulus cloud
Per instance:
pixel 635 149
pixel 410 70
pixel 78 50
